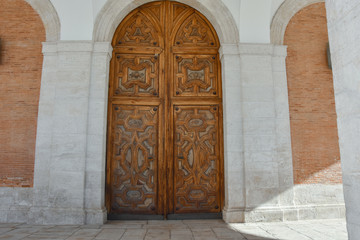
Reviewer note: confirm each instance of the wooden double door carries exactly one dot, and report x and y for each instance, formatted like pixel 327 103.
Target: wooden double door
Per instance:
pixel 165 139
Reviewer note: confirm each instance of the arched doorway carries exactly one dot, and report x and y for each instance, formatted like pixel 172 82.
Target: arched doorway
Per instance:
pixel 165 143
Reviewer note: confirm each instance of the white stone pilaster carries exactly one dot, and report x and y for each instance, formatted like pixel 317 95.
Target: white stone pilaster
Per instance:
pixel 59 180
pixel 96 135
pixel 233 134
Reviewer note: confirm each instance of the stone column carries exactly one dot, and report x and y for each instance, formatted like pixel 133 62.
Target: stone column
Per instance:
pixel 266 124
pixel 59 179
pixel 233 134
pixel 344 35
pixel 96 135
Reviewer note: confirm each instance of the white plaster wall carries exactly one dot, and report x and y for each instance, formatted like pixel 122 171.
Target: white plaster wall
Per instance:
pixel 76 18
pixel 255 21
pixel 344 34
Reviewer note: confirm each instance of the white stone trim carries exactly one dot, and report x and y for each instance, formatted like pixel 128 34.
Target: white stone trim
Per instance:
pixel 114 11
pixel 283 16
pixel 49 18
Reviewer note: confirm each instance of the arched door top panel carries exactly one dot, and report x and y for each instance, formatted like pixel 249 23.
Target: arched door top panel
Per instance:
pixel 142 28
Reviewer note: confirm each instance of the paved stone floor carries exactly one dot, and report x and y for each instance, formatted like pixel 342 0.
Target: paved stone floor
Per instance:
pixel 182 230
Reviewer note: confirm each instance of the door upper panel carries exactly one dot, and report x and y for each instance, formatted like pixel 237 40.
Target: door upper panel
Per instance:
pixel 136 75
pixel 195 75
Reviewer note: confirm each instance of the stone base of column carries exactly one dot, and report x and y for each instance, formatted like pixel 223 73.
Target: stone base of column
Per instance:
pixel 279 214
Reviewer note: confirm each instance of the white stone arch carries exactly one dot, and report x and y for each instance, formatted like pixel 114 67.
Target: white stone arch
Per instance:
pixel 115 11
pixel 283 16
pixel 49 18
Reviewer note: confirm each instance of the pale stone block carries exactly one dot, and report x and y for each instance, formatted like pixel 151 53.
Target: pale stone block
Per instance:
pixel 94 200
pixel 311 194
pixel 259 126
pixel 257 78
pixel 286 198
pixel 67 144
pixel 234 127
pixel 233 111
pixel 280 80
pixel 72 85
pixel 95 160
pixel 290 215
pixel 230 63
pixel 278 64
pixel 3 215
pixel 96 216
pixel 49 48
pixel 280 51
pixel 75 107
pixel 266 178
pixel 44 121
pixel 258 109
pixel 41 176
pixel 235 178
pixel 256 49
pixel 68 162
pixel 260 161
pixel 256 63
pixel 264 215
pixel 258 94
pixel 283 136
pixel 235 161
pixel 17 216
pixel 70 124
pixel 259 143
pixel 47 92
pixel 234 93
pixel 66 189
pixel 256 197
pixel 342 8
pixel 74 47
pixel 99 88
pixel 73 62
pixel 235 197
pixel 95 179
pixel 97 107
pixel 234 143
pixel 232 79
pixel 233 215
pixel 228 49
pixel 96 144
pixel 97 126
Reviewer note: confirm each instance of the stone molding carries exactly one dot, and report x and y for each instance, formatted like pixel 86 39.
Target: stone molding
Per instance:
pixel 49 18
pixel 283 16
pixel 76 46
pixel 228 49
pixel 115 11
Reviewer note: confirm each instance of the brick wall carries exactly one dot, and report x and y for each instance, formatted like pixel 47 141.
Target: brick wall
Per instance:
pixel 315 147
pixel 21 34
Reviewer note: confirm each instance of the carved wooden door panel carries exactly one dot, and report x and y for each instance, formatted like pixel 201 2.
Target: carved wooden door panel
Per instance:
pixel 196 155
pixel 164 114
